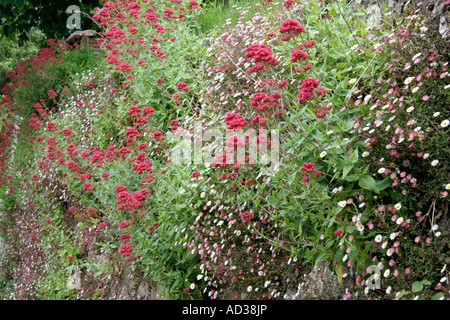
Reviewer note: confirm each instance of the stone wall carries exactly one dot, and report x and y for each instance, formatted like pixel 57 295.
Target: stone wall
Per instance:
pixel 436 14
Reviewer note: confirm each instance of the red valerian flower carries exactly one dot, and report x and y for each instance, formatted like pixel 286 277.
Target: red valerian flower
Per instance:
pixel 174 124
pixel 339 233
pixel 51 126
pixel 134 111
pixel 125 237
pixel 308 167
pixel 182 86
pixel 158 136
pixel 148 111
pixel 52 94
pixel 124 224
pixel 246 216
pixel 291 27
pixel 221 160
pixel 125 250
pixel 298 55
pixel 193 4
pixel 101 226
pixel 195 174
pixel 131 132
pixel 70 257
pixel 124 66
pixel 288 3
pixel 87 186
pixel 235 121
pixel 261 52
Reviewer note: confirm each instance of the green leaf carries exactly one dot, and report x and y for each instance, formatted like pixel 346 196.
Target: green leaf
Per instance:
pixel 402 293
pixel 346 170
pixel 352 177
pixel 437 296
pixel 339 271
pixel 417 286
pixel 368 183
pixel 383 184
pixel 355 156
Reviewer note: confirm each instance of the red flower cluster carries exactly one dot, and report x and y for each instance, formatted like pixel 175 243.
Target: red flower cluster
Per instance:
pixel 292 28
pixel 297 54
pixel 235 121
pixel 246 216
pixel 261 52
pixel 262 102
pixel 308 167
pixel 125 237
pixel 324 111
pixel 124 224
pixel 182 86
pixel 195 174
pixel 153 227
pixel 174 124
pixel 125 250
pixel 307 90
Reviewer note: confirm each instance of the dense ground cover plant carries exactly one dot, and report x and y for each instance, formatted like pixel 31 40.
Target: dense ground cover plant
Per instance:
pixel 97 174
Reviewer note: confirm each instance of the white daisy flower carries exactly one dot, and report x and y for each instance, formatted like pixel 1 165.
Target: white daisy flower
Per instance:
pixel 182 191
pixel 378 238
pixel 399 220
pixel 444 123
pixel 352 81
pixel 447 186
pixel 398 206
pixel 434 163
pixel 249 288
pixel 199 277
pixel 381 170
pixel 323 154
pixel 435 227
pixel 415 89
pixel 390 252
pixel 426 155
pixel 410 109
pixel 386 273
pixel 436 114
pixel 388 290
pixel 192 286
pixel 438 234
pixel 409 79
pixel 342 203
pixel 365 154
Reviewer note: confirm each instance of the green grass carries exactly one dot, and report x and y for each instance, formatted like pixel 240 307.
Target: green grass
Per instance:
pixel 214 14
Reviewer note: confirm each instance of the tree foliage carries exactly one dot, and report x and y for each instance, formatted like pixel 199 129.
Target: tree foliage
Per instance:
pixel 49 16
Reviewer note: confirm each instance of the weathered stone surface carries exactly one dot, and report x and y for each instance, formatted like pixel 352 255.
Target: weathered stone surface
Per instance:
pixel 436 15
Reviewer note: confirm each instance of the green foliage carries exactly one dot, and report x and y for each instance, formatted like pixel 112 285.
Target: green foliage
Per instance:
pixel 18 17
pixel 362 180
